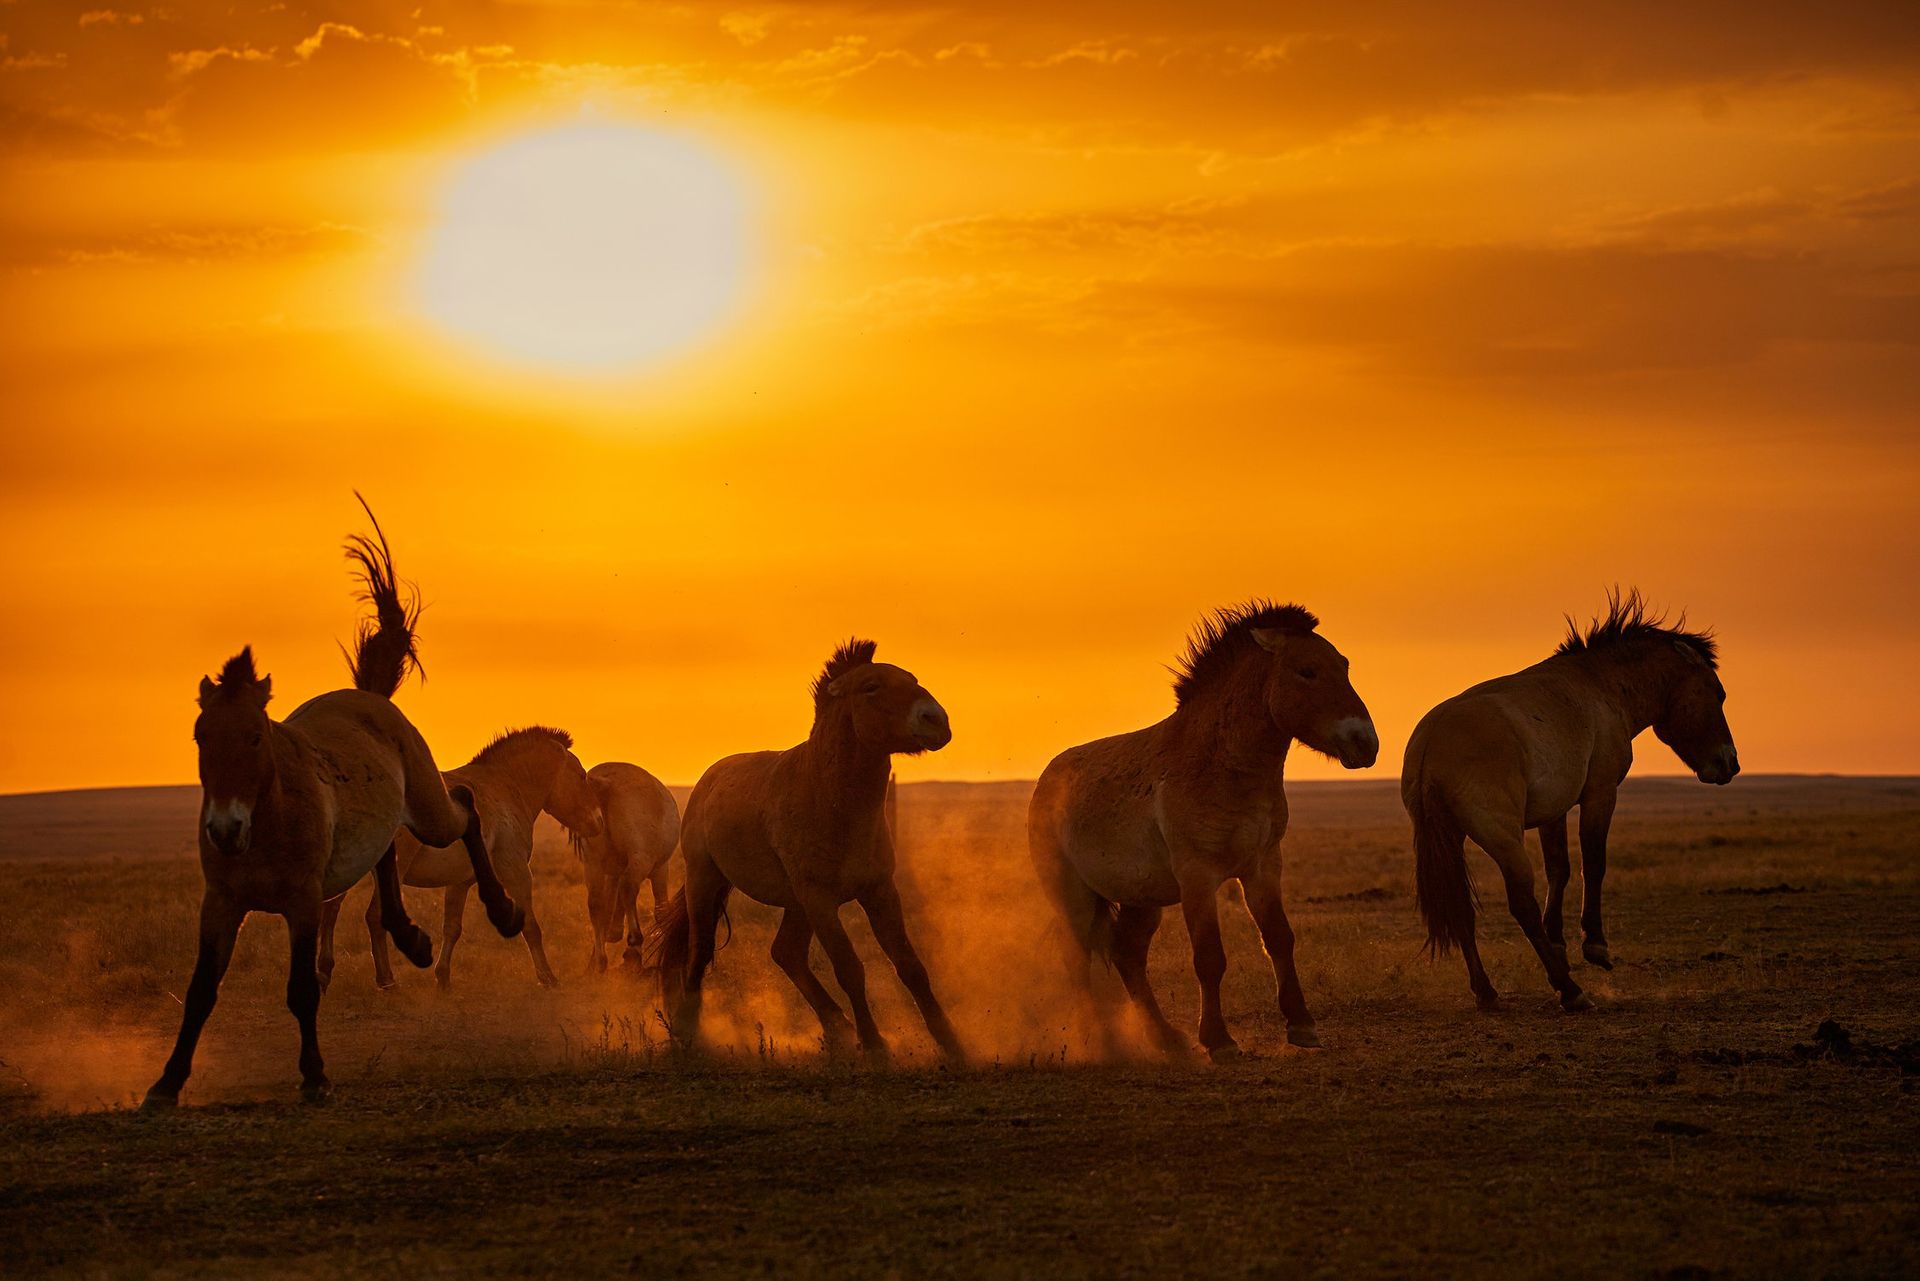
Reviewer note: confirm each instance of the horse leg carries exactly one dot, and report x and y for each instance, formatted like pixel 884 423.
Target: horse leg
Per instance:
pixel 219 926
pixel 1082 921
pixel 1133 931
pixel 1209 966
pixel 1596 816
pixel 1269 913
pixel 889 921
pixel 1553 851
pixel 790 947
pixel 303 997
pixel 1509 850
pixel 706 893
pixel 824 916
pixel 329 917
pixel 452 816
pixel 387 914
pixel 455 920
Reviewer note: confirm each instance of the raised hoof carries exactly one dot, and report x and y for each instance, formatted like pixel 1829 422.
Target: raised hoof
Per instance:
pixel 1223 1053
pixel 1488 1001
pixel 160 1099
pixel 1303 1036
pixel 317 1092
pixel 507 918
pixel 1597 954
pixel 417 947
pixel 1578 1003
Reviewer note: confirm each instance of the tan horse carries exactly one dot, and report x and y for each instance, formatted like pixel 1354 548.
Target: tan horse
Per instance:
pixel 642 829
pixel 1124 827
pixel 1521 751
pixel 293 812
pixel 806 830
pixel 513 779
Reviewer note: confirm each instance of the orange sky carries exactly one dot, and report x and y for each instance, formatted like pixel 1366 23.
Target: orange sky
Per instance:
pixel 1064 323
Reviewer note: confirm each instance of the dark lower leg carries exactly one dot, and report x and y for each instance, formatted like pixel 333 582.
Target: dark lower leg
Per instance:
pixel 1209 966
pixel 1553 849
pixel 1133 931
pixel 1276 935
pixel 1484 994
pixel 219 926
pixel 454 922
pixel 824 918
pixel 502 911
pixel 388 914
pixel 889 923
pixel 303 999
pixel 1526 911
pixel 790 947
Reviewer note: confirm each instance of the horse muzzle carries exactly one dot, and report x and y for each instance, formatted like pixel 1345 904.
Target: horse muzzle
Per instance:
pixel 1720 768
pixel 229 828
pixel 930 727
pixel 1356 745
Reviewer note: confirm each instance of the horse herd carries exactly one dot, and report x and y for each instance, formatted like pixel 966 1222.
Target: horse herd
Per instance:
pixel 295 812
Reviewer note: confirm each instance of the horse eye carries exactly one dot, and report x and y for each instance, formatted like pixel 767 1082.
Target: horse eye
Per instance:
pixel 257 739
pixel 1308 673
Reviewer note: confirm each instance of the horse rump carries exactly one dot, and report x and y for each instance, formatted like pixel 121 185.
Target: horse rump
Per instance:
pixel 1442 883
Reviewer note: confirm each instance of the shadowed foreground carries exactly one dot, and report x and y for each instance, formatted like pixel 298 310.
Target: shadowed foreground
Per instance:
pixel 1693 1126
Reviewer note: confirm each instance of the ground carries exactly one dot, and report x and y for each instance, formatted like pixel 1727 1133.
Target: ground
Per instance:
pixel 1701 1122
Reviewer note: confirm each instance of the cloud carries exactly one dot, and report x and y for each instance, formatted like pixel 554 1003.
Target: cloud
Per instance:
pixel 177 244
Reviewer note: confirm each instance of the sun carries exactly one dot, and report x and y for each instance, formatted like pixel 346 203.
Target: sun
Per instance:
pixel 593 248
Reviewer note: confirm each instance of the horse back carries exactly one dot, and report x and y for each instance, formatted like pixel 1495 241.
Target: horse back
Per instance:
pixel 1531 738
pixel 370 758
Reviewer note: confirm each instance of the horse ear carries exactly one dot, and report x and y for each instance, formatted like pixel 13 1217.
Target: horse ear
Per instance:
pixel 207 690
pixel 1272 639
pixel 263 690
pixel 842 684
pixel 1693 655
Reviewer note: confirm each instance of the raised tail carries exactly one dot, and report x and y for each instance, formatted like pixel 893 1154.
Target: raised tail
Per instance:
pixel 1441 881
pixel 385 649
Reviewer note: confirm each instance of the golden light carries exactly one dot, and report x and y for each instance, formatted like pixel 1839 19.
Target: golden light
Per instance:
pixel 594 247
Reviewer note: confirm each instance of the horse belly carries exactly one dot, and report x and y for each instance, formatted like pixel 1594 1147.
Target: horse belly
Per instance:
pixel 1124 864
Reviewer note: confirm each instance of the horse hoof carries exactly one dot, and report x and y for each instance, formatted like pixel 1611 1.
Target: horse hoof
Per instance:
pixel 1303 1036
pixel 417 948
pixel 1488 1001
pixel 1223 1053
pixel 160 1100
pixel 508 919
pixel 386 985
pixel 317 1092
pixel 547 980
pixel 879 1054
pixel 1578 1003
pixel 1598 954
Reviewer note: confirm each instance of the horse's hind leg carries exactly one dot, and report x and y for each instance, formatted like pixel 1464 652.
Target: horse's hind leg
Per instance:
pixel 450 931
pixel 790 946
pixel 219 925
pixel 521 887
pixel 329 917
pixel 1553 850
pixel 441 815
pixel 1509 850
pixel 706 893
pixel 387 911
pixel 303 997
pixel 1133 931
pixel 377 942
pixel 1082 922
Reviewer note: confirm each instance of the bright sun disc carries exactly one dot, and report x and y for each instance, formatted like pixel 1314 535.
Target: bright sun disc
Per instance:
pixel 595 247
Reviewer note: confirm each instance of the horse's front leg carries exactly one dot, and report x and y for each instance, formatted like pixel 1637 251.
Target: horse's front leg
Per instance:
pixel 303 993
pixel 220 919
pixel 1269 913
pixel 1209 962
pixel 823 914
pixel 1553 852
pixel 1596 816
pixel 889 921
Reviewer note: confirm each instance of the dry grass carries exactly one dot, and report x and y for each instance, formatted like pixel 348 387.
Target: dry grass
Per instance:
pixel 1675 1131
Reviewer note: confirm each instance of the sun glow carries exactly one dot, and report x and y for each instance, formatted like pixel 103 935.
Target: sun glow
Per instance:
pixel 594 248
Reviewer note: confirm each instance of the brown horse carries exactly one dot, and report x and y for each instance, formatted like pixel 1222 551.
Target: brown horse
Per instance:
pixel 293 812
pixel 642 828
pixel 806 830
pixel 1124 827
pixel 513 779
pixel 1520 751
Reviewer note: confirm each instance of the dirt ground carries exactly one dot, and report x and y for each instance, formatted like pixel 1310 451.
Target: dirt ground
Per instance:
pixel 1700 1123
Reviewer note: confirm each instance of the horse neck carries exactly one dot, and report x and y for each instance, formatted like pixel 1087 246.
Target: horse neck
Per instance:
pixel 1226 723
pixel 841 765
pixel 518 777
pixel 1636 678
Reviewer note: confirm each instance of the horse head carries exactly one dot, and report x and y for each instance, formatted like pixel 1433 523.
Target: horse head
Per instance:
pixel 890 710
pixel 573 799
pixel 1310 698
pixel 1694 721
pixel 236 758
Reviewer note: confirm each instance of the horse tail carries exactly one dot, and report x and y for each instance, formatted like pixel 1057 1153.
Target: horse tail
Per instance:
pixel 1441 881
pixel 387 647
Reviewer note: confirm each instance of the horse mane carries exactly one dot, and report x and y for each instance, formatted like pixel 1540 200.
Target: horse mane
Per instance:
pixel 385 649
pixel 1210 648
pixel 237 673
pixel 507 736
pixel 1629 618
pixel 853 652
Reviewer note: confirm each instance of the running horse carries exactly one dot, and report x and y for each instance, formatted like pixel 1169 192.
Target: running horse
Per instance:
pixel 1521 751
pixel 515 778
pixel 1122 828
pixel 806 830
pixel 642 828
pixel 294 812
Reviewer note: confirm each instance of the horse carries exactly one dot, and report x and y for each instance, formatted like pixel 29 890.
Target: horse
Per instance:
pixel 1520 751
pixel 513 779
pixel 806 830
pixel 1124 827
pixel 293 812
pixel 642 828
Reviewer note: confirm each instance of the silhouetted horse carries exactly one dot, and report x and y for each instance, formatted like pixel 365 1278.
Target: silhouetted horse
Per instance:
pixel 1124 827
pixel 806 830
pixel 513 778
pixel 642 828
pixel 293 812
pixel 1520 751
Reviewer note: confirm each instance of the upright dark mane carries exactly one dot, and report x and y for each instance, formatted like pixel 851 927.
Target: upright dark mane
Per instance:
pixel 1210 648
pixel 853 653
pixel 1628 619
pixel 237 674
pixel 385 649
pixel 507 736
